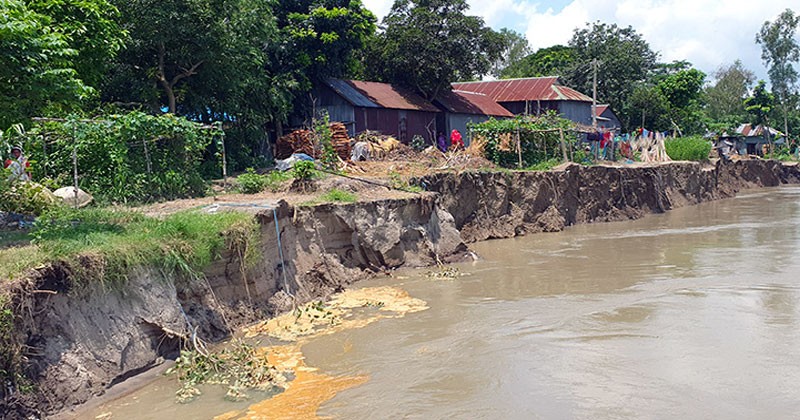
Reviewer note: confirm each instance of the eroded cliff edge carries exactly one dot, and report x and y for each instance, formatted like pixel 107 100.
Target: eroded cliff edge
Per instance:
pixel 79 340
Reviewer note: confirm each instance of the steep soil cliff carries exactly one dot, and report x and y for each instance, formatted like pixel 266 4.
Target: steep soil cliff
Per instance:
pixel 80 339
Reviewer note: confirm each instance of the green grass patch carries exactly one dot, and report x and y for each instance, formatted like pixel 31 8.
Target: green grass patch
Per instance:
pixel 693 148
pixel 544 165
pixel 339 196
pixel 105 244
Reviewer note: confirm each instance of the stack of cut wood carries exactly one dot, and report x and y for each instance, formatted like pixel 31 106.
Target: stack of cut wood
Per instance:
pixel 298 141
pixel 340 140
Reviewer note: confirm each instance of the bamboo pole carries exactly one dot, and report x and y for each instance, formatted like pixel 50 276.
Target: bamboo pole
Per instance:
pixel 563 145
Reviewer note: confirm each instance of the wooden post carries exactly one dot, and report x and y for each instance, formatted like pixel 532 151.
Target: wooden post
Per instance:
pixel 563 146
pixel 147 157
pixel 224 164
pixel 75 170
pixel 519 149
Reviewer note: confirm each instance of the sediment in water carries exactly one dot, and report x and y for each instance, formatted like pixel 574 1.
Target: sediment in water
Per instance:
pixel 80 340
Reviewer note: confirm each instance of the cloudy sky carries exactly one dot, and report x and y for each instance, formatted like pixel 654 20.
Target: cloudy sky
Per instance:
pixel 707 33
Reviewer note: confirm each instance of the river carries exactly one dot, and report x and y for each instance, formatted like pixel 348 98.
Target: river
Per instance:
pixel 694 313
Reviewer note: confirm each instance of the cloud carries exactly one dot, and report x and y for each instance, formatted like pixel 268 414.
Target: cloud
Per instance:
pixel 707 33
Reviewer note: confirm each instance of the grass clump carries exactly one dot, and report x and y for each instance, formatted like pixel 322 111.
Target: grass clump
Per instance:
pixel 239 366
pixel 688 148
pixel 104 244
pixel 250 182
pixel 339 196
pixel 544 165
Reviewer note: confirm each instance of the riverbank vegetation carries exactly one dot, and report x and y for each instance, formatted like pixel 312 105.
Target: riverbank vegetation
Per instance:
pixel 688 148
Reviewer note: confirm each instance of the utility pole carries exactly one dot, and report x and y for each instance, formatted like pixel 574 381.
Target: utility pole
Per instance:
pixel 594 93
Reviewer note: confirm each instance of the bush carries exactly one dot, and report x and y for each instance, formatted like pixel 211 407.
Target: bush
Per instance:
pixel 339 196
pixel 250 182
pixel 688 148
pixel 418 143
pixel 304 170
pixel 25 197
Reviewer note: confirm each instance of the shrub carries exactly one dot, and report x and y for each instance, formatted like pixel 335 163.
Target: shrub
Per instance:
pixel 337 195
pixel 418 143
pixel 25 197
pixel 304 170
pixel 688 148
pixel 250 182
pixel 545 165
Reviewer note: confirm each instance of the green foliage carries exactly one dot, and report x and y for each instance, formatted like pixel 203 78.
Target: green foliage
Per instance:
pixel 545 165
pixel 682 91
pixel 250 182
pixel 25 197
pixel 780 50
pixel 501 137
pixel 418 143
pixel 550 61
pixel 37 72
pixel 304 170
pixel 725 98
pixel 625 60
pixel 428 44
pixel 239 366
pixel 400 182
pixel 688 148
pixel 759 104
pixel 275 179
pixel 103 245
pixel 339 196
pixel 515 49
pixel 322 132
pixel 113 155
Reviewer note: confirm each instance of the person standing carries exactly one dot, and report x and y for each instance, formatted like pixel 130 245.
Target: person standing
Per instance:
pixel 19 165
pixel 456 142
pixel 441 142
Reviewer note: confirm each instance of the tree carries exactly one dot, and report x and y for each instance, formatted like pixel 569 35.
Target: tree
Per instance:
pixel 648 107
pixel 725 98
pixel 428 44
pixel 625 59
pixel 779 49
pixel 550 61
pixel 682 91
pixel 37 74
pixel 515 49
pixel 759 106
pixel 322 38
pixel 91 28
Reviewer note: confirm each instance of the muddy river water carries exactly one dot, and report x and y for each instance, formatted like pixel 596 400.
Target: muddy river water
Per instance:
pixel 690 314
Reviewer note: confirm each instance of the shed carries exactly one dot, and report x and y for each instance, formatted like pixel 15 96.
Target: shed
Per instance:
pixel 534 95
pixel 376 106
pixel 749 140
pixel 461 108
pixel 606 118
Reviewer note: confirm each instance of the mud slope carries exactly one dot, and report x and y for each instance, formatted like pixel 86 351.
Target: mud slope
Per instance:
pixel 79 340
pixel 502 205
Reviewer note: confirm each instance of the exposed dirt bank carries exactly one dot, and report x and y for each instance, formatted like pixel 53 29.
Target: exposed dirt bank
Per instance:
pixel 79 340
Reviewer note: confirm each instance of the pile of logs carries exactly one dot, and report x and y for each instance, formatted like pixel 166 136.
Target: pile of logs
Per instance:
pixel 298 141
pixel 340 140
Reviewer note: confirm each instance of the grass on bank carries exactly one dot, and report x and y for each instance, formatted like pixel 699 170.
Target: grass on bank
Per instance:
pixel 104 244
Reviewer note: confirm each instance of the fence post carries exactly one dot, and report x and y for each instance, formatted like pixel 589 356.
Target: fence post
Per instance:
pixel 224 164
pixel 563 146
pixel 147 156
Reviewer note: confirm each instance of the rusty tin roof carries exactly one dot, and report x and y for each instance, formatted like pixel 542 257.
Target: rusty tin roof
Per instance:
pixel 528 89
pixel 379 95
pixel 472 103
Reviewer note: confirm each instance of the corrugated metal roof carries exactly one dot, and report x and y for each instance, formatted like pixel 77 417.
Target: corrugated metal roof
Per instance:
pixel 528 89
pixel 350 94
pixel 380 95
pixel 472 103
pixel 748 130
pixel 601 109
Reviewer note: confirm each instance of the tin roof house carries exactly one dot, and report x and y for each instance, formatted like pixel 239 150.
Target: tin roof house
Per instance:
pixel 534 95
pixel 377 106
pixel 462 108
pixel 749 140
pixel 606 118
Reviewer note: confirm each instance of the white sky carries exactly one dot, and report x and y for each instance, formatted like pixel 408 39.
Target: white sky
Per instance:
pixel 707 33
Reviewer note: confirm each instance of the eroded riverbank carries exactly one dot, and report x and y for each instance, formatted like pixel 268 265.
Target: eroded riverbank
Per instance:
pixel 87 340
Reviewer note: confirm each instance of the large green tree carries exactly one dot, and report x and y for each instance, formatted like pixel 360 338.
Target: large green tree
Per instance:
pixel 725 97
pixel 683 91
pixel 428 44
pixel 91 28
pixel 623 57
pixel 759 105
pixel 515 49
pixel 550 61
pixel 37 73
pixel 779 50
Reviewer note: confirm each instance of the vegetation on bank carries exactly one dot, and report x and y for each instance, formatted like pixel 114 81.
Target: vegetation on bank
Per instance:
pixel 693 148
pixel 104 244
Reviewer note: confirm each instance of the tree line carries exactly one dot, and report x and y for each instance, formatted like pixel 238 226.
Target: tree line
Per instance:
pixel 252 64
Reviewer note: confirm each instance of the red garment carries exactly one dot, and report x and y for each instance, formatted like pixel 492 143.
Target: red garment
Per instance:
pixel 607 137
pixel 455 140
